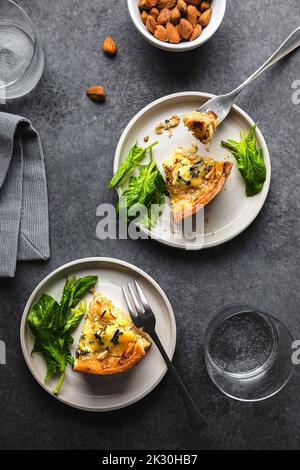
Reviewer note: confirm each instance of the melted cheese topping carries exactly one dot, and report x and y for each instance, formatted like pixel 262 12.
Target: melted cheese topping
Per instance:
pixel 188 170
pixel 106 330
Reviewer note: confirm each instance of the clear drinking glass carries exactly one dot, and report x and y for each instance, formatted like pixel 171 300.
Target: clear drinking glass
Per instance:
pixel 248 353
pixel 21 54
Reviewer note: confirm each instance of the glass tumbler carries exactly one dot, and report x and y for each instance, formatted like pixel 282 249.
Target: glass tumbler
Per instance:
pixel 248 353
pixel 21 54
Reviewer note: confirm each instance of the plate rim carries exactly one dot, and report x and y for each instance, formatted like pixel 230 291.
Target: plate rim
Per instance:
pixel 245 116
pixel 113 261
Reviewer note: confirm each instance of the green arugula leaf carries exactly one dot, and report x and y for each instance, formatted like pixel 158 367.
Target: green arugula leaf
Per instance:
pixel 134 157
pixel 250 161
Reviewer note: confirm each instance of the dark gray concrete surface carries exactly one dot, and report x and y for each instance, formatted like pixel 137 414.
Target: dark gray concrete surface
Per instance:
pixel 261 266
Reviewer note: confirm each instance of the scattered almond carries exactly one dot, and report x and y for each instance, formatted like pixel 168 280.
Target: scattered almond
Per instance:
pixel 161 33
pixel 96 93
pixel 182 6
pixel 150 24
pixel 173 35
pixel 154 12
pixel 192 15
pixel 196 32
pixel 164 17
pixel 205 18
pixel 184 29
pixel 144 16
pixel 175 15
pixel 204 6
pixel 109 46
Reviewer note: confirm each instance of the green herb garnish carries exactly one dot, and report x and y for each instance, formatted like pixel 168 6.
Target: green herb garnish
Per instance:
pixel 135 156
pixel 250 161
pixel 99 337
pixel 52 323
pixel 115 338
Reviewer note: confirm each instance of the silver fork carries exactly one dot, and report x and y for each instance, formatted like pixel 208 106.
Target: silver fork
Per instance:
pixel 221 105
pixel 143 317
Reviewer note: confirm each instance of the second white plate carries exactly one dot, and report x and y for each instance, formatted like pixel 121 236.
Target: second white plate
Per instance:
pixel 104 393
pixel 232 211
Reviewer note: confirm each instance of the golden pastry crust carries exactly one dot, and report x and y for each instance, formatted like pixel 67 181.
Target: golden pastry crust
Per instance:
pixel 110 343
pixel 201 125
pixel 193 181
pixel 111 365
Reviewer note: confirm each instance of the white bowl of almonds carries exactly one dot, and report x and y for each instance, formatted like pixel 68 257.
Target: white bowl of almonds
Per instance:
pixel 177 25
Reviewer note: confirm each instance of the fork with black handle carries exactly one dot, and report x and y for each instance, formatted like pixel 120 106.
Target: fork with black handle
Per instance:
pixel 143 317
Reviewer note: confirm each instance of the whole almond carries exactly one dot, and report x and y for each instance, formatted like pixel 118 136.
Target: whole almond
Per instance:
pixel 96 93
pixel 147 4
pixel 194 2
pixel 182 6
pixel 166 4
pixel 184 29
pixel 150 24
pixel 173 35
pixel 192 15
pixel 109 46
pixel 144 16
pixel 164 17
pixel 175 15
pixel 154 12
pixel 160 33
pixel 204 6
pixel 205 18
pixel 196 32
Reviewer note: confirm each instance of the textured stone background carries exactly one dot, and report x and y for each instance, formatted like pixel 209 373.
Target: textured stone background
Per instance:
pixel 261 266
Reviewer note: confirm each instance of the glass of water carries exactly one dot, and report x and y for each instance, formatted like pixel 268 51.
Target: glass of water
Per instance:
pixel 248 353
pixel 21 54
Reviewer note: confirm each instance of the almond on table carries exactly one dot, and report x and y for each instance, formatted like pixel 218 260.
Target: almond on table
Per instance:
pixel 96 93
pixel 109 46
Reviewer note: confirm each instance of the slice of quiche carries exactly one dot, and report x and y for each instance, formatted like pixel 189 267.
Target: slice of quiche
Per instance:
pixel 110 343
pixel 201 125
pixel 193 181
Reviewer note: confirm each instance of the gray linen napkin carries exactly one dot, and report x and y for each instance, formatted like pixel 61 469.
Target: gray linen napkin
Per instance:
pixel 24 221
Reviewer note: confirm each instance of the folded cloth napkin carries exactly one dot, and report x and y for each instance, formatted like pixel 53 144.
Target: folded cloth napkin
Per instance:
pixel 24 221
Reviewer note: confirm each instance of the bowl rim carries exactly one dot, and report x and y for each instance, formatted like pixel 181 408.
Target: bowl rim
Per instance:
pixel 183 46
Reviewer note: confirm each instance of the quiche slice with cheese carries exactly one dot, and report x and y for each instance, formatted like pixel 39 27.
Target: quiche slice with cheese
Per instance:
pixel 193 181
pixel 201 125
pixel 110 343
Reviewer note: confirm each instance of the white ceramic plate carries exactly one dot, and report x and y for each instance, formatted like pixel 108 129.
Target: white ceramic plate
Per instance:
pixel 232 211
pixel 96 393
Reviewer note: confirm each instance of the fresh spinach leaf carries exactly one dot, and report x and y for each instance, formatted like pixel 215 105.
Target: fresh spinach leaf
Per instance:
pixel 44 315
pixel 134 157
pixel 250 161
pixel 51 324
pixel 76 317
pixel 145 195
pixel 73 292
